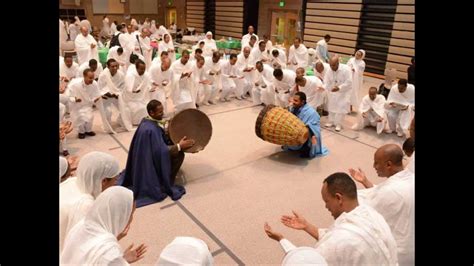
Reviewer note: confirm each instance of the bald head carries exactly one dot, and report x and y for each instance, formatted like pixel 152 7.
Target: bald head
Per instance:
pixel 391 152
pixel 84 31
pixel 388 160
pixel 246 51
pixel 334 62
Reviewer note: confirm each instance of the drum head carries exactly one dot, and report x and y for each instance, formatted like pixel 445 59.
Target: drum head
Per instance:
pixel 261 116
pixel 193 124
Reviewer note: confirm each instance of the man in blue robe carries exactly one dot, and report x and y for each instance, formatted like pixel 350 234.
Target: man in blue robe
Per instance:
pixel 313 146
pixel 153 160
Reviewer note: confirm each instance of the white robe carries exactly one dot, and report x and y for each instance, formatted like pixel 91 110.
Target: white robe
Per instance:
pixel 278 61
pixel 216 69
pixel 84 50
pixel 322 50
pixel 257 55
pixel 82 112
pixel 135 103
pixel 106 26
pixel 115 85
pixel 203 91
pixel 357 68
pixel 62 33
pixel 264 91
pixel 73 32
pixel 246 39
pixel 84 66
pixel 284 88
pixel 127 41
pixel 374 109
pixel 183 93
pixel 68 72
pixel 77 194
pixel 339 101
pixel 298 56
pixel 113 28
pixel 93 241
pixel 228 84
pixel 300 255
pixel 165 46
pixel 394 200
pixel 244 85
pixel 400 119
pixel 162 92
pixel 145 48
pixel 153 30
pixel 359 237
pixel 316 95
pixel 209 46
pixel 312 58
pixel 269 46
pixel 121 59
pixel 323 73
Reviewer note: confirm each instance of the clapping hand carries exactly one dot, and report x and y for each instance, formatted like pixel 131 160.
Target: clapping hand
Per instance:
pixel 133 255
pixel 297 221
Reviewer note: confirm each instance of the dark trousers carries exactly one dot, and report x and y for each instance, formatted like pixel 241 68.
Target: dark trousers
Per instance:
pixel 176 162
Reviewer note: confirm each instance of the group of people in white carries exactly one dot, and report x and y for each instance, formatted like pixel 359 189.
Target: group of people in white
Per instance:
pixel 372 226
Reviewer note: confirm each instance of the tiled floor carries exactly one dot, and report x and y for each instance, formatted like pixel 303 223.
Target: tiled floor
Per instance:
pixel 239 182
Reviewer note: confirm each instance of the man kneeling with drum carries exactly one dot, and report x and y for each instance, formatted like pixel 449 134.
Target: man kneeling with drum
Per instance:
pixel 313 146
pixel 153 160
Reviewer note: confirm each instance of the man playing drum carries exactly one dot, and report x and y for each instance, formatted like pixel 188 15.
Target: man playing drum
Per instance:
pixel 313 146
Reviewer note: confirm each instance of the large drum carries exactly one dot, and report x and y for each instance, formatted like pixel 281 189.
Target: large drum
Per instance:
pixel 279 126
pixel 193 124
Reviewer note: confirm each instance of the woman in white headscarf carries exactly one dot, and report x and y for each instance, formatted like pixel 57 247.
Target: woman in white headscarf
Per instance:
pixel 105 27
pixel 153 30
pixel 186 251
pixel 162 31
pixel 96 172
pixel 113 28
pixel 209 45
pixel 357 65
pixel 147 24
pixel 199 45
pixel 167 45
pixel 94 240
pixel 133 22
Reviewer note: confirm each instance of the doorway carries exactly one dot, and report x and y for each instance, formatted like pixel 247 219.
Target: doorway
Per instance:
pixel 284 27
pixel 171 17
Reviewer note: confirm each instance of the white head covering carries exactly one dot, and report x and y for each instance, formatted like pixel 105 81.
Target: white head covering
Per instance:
pixel 209 33
pixel 363 53
pixel 77 194
pixel 93 241
pixel 63 165
pixel 186 251
pixel 94 167
pixel 303 256
pixel 162 31
pixel 390 76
